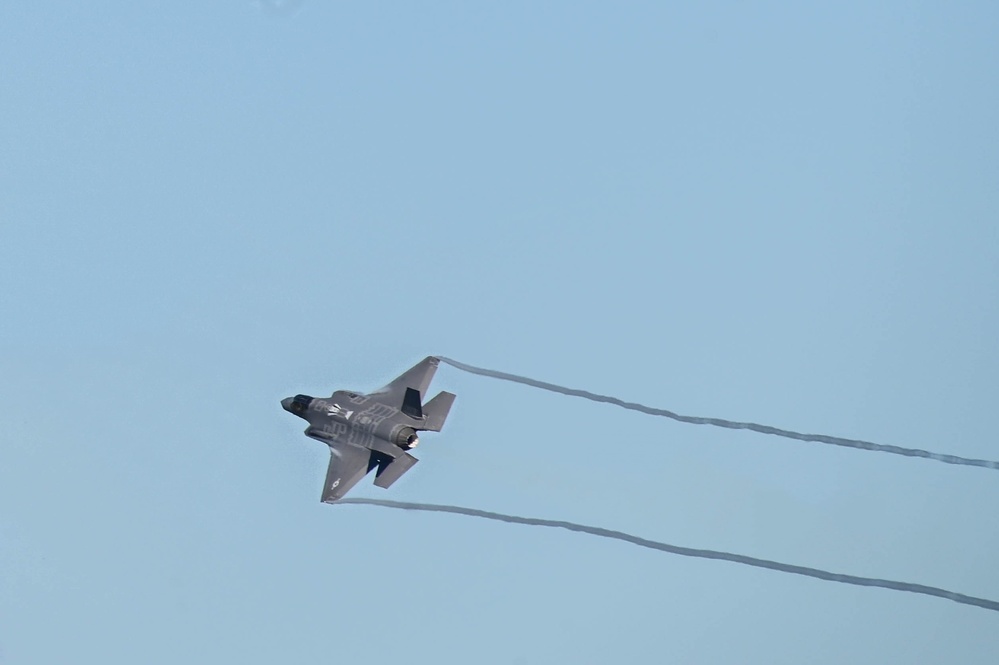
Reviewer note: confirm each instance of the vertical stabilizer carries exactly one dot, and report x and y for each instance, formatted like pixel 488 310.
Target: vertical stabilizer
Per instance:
pixel 411 404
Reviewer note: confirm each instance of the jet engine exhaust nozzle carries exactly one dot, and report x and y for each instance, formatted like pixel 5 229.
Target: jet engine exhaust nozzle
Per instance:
pixel 406 438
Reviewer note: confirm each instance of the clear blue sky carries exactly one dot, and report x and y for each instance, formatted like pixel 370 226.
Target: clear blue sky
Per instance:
pixel 777 212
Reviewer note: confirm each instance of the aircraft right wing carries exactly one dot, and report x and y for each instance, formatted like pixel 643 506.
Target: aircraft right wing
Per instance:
pixel 348 464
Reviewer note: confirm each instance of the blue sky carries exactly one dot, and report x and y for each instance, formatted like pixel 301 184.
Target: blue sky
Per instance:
pixel 776 212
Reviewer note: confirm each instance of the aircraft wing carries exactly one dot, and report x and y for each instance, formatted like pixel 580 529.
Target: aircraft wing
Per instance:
pixel 418 378
pixel 348 464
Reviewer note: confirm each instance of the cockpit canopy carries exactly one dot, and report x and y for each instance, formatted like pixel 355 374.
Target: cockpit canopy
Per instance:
pixel 300 403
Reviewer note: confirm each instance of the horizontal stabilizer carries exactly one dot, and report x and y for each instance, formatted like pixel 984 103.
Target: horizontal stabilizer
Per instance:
pixel 436 411
pixel 390 471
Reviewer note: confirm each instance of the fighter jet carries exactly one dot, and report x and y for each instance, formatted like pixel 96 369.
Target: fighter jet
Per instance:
pixel 373 431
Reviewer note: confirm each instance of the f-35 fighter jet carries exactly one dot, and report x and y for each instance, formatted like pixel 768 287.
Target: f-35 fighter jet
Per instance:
pixel 373 431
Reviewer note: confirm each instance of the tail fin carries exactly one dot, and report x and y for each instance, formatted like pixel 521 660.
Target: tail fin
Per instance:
pixel 436 411
pixel 411 404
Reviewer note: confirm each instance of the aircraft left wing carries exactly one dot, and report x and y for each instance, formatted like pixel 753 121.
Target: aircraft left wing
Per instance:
pixel 417 377
pixel 348 464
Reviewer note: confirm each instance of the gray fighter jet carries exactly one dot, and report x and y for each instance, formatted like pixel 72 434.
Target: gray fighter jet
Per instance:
pixel 373 431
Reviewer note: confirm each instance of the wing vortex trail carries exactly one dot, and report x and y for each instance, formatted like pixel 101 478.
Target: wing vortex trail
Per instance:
pixel 721 422
pixel 817 573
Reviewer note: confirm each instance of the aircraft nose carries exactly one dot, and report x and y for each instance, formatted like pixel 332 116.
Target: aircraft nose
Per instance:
pixel 286 403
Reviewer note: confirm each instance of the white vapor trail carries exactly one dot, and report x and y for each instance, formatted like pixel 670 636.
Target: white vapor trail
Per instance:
pixel 720 422
pixel 817 573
